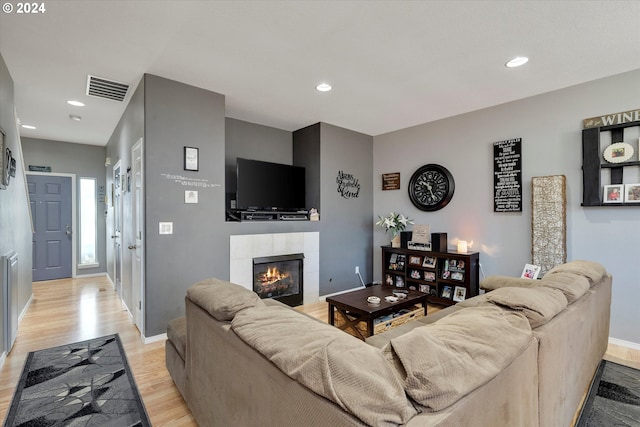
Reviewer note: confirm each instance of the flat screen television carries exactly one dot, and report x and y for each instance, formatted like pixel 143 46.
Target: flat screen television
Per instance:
pixel 266 186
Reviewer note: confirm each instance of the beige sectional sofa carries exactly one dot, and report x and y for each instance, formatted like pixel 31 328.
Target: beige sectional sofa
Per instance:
pixel 522 354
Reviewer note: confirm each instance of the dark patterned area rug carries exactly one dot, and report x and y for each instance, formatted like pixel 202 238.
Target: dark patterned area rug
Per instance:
pixel 87 383
pixel 614 397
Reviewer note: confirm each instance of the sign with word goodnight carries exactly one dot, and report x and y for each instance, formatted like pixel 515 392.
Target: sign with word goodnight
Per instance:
pixel 507 175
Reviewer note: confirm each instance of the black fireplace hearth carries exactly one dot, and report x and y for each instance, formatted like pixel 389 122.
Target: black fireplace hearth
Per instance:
pixel 279 277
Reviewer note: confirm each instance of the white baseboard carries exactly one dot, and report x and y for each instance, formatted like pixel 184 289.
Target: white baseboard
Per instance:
pixel 155 338
pixel 627 344
pixel 26 307
pixel 324 297
pixel 3 357
pixel 82 276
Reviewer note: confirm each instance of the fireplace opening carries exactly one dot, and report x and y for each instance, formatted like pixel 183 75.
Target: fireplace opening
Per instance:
pixel 279 277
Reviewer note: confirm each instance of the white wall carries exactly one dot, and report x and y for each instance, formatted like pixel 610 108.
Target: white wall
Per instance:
pixel 550 126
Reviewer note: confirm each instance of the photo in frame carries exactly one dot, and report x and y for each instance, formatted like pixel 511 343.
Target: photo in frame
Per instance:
pixel 632 193
pixel 430 276
pixel 613 193
pixel 415 260
pixel 191 159
pixel 459 293
pixel 530 271
pixel 446 292
pixel 429 261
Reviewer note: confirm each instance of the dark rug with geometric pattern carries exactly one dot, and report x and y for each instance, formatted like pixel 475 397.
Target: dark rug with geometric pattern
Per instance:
pixel 87 383
pixel 614 397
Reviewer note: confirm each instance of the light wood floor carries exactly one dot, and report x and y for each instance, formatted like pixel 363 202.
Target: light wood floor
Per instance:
pixel 70 310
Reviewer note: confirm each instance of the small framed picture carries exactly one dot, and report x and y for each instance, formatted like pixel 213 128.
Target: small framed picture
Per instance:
pixel 415 260
pixel 429 261
pixel 399 282
pixel 415 274
pixel 530 271
pixel 430 276
pixel 632 193
pixel 425 288
pixel 613 193
pixel 446 292
pixel 459 293
pixel 457 275
pixel 190 159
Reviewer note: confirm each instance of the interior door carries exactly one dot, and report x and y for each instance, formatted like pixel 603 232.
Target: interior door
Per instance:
pixel 137 246
pixel 51 210
pixel 117 227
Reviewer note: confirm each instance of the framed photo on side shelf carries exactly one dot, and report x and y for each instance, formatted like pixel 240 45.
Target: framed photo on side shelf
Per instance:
pixel 425 288
pixel 429 261
pixel 632 193
pixel 613 193
pixel 446 292
pixel 430 276
pixel 459 293
pixel 415 260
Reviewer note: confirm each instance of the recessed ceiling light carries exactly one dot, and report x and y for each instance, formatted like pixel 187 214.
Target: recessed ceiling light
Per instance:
pixel 28 127
pixel 75 103
pixel 75 117
pixel 517 61
pixel 323 87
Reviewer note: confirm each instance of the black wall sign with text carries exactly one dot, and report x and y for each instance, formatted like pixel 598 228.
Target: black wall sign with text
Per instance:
pixel 507 175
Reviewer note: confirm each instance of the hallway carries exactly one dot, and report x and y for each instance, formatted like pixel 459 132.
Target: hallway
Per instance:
pixel 69 310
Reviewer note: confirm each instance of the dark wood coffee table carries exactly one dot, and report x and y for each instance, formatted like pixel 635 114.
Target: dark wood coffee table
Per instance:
pixel 353 306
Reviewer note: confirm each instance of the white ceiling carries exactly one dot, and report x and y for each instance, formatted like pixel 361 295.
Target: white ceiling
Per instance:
pixel 393 64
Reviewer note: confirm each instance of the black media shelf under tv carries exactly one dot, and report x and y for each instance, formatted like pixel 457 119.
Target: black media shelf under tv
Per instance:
pixel 242 216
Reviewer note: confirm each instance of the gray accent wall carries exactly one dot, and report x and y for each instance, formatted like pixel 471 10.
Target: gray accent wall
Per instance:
pixel 15 220
pixel 550 126
pixel 85 161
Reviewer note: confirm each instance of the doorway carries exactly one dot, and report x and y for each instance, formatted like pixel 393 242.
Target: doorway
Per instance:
pixel 117 227
pixel 137 246
pixel 52 202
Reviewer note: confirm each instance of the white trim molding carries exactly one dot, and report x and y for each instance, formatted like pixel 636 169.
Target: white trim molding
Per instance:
pixel 627 344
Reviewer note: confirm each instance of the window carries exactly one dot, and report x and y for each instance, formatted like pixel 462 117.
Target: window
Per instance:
pixel 88 223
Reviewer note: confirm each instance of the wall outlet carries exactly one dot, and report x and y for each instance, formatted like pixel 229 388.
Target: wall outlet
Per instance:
pixel 357 269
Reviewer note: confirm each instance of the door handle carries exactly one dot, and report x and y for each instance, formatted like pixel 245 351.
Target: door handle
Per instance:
pixel 68 233
pixel 132 247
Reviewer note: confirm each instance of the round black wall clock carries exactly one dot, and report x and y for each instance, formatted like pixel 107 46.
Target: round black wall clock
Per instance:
pixel 431 187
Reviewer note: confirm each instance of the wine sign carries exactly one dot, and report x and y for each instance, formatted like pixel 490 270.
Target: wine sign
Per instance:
pixel 507 175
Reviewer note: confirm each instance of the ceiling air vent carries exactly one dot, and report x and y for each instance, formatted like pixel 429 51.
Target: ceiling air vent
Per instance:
pixel 104 88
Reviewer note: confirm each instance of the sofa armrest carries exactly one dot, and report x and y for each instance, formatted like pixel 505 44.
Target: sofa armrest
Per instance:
pixel 492 283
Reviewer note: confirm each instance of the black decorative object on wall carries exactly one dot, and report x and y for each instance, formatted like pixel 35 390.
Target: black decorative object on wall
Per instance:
pixel 431 187
pixel 507 175
pixel 348 185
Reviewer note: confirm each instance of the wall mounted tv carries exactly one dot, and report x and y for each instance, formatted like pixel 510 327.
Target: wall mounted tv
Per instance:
pixel 265 186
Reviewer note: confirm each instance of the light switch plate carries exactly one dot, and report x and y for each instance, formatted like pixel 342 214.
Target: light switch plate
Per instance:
pixel 190 196
pixel 166 227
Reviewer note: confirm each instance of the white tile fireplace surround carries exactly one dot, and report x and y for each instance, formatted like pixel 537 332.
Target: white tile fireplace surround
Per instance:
pixel 243 248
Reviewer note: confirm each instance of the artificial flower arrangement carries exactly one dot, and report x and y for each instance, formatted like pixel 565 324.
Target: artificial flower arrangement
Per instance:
pixel 394 222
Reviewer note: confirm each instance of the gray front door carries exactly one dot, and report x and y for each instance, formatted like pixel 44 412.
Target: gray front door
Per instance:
pixel 50 199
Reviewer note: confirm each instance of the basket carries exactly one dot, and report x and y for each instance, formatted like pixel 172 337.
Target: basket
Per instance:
pixel 383 323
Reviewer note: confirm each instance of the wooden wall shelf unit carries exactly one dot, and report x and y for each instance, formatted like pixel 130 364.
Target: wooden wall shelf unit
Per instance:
pixel 593 163
pixel 448 277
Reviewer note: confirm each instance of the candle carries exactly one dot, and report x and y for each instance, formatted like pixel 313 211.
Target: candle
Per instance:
pixel 462 246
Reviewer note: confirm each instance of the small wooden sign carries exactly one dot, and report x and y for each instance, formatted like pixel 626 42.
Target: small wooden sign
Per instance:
pixel 391 181
pixel 612 119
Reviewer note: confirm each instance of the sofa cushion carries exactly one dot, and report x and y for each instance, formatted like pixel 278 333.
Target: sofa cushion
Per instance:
pixel 539 304
pixel 494 282
pixel 222 299
pixel 177 334
pixel 593 271
pixel 328 361
pixel 571 285
pixel 446 360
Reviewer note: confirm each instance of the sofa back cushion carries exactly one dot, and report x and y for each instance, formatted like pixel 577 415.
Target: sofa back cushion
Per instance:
pixel 222 299
pixel 331 363
pixel 593 271
pixel 539 304
pixel 573 286
pixel 446 360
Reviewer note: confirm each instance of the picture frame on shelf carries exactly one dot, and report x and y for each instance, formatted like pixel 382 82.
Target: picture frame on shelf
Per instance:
pixel 447 292
pixel 429 262
pixel 415 274
pixel 613 193
pixel 399 282
pixel 457 275
pixel 425 289
pixel 389 280
pixel 415 260
pixel 459 293
pixel 430 276
pixel 632 193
